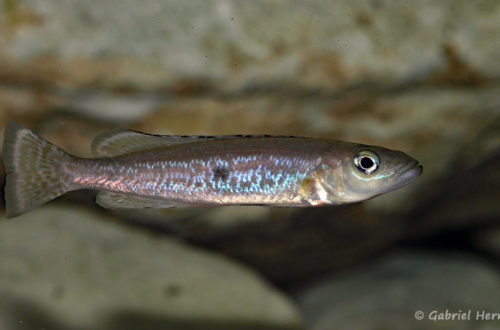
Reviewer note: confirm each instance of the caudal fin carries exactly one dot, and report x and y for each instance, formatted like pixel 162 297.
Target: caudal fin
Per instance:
pixel 33 166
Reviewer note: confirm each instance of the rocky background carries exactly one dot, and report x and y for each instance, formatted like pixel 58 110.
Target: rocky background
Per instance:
pixel 420 76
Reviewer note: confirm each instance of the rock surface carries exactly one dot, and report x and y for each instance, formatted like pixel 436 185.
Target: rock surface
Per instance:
pixel 67 268
pixel 226 45
pixel 388 293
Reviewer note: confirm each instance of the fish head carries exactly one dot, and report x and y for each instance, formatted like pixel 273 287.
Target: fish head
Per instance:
pixel 353 172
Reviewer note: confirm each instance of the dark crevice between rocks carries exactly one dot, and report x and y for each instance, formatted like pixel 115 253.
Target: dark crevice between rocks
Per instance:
pixel 456 199
pixel 463 239
pixel 313 243
pixel 2 189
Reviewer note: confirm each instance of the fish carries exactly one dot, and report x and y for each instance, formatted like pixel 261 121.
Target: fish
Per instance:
pixel 131 169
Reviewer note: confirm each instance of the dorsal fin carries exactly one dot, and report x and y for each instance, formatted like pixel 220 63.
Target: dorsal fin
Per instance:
pixel 122 141
pixel 116 200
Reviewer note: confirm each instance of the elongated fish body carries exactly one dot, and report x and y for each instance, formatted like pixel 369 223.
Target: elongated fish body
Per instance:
pixel 214 172
pixel 137 170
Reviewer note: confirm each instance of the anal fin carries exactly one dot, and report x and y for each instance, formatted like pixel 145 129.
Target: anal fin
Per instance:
pixel 115 200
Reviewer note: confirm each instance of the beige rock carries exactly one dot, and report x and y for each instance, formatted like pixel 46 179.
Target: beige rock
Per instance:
pixel 231 45
pixel 89 272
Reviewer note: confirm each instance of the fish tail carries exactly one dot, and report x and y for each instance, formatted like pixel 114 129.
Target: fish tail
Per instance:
pixel 34 170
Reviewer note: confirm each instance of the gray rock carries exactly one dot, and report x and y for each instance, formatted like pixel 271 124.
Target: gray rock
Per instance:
pixel 69 268
pixel 388 293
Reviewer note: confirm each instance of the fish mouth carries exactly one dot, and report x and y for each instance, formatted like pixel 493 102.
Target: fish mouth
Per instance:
pixel 408 174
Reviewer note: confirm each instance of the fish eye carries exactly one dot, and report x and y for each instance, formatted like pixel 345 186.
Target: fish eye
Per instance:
pixel 366 161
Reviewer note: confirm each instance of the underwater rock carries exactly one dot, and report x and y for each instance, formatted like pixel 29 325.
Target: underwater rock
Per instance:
pixel 389 293
pixel 198 46
pixel 70 268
